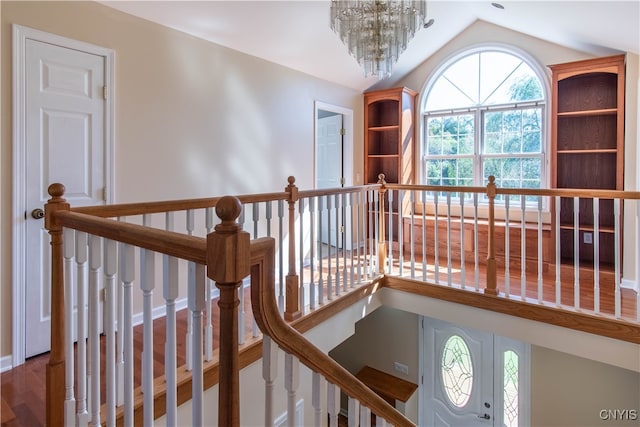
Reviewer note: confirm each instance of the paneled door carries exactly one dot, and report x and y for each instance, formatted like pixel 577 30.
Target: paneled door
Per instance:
pixel 65 142
pixel 473 378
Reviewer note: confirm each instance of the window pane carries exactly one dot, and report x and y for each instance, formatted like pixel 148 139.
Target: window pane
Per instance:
pixel 449 172
pixel 457 371
pixel 510 389
pixel 513 131
pixel 513 172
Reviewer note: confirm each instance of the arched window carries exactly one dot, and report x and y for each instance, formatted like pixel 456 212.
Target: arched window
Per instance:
pixel 484 114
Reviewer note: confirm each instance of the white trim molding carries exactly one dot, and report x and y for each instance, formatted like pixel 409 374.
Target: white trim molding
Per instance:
pixel 20 35
pixel 629 284
pixel 5 363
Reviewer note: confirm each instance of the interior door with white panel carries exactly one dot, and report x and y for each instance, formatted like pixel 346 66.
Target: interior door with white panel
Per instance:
pixel 458 377
pixel 65 143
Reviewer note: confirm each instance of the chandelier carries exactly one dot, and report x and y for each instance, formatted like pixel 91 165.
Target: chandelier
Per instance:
pixel 376 32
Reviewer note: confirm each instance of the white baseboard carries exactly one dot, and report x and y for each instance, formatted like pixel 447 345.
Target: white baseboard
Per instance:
pixel 161 311
pixel 629 284
pixel 5 363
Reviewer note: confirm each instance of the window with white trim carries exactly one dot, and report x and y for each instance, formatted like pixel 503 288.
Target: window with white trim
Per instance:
pixel 483 115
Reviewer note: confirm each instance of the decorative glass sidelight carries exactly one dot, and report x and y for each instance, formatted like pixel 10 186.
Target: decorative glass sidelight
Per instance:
pixel 457 371
pixel 510 396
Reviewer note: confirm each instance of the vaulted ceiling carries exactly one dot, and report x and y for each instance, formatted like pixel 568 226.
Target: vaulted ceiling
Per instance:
pixel 296 34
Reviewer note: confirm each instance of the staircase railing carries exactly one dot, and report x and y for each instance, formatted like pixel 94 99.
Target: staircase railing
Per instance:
pixel 328 242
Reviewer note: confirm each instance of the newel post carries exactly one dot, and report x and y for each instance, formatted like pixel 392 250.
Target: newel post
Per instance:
pixel 292 308
pixel 382 247
pixel 228 262
pixel 55 373
pixel 492 286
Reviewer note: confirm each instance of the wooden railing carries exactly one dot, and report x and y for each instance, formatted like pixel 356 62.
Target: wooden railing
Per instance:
pixel 333 241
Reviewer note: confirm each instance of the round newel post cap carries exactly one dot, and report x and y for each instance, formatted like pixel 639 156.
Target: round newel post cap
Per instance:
pixel 492 179
pixel 228 209
pixel 291 180
pixel 56 190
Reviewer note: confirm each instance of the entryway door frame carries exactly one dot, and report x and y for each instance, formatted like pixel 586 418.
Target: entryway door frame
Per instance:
pixel 20 35
pixel 347 123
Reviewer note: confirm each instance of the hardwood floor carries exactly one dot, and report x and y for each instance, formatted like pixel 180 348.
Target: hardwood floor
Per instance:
pixel 23 388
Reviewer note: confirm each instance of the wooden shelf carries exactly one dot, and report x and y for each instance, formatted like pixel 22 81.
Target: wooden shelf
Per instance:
pixel 587 147
pixel 382 128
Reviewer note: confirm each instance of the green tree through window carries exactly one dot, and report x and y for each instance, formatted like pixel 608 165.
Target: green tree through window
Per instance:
pixel 483 116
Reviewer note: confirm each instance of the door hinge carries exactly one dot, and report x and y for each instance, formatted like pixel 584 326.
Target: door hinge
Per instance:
pixel 104 92
pixel 103 294
pixel 342 229
pixel 103 193
pixel 342 181
pixel 342 131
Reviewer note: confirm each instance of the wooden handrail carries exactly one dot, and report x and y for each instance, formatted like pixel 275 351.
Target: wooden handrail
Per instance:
pixel 174 244
pixel 337 190
pixel 265 311
pixel 128 209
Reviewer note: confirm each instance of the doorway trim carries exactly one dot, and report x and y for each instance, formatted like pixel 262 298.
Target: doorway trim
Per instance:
pixel 20 35
pixel 347 147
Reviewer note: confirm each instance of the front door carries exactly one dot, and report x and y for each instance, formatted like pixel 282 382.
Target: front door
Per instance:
pixel 65 142
pixel 473 378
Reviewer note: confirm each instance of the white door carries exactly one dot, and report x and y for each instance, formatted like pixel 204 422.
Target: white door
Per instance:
pixel 459 377
pixel 473 378
pixel 330 169
pixel 65 112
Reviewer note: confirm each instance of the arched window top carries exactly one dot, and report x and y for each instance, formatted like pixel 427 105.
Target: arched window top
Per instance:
pixel 484 78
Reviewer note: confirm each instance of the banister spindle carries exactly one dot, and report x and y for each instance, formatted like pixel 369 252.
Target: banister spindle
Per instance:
pixel 382 250
pixel 507 248
pixel 195 301
pixel 312 261
pixel 227 264
pixel 81 249
pixel 170 293
pixel 292 310
pixel 269 374
pixel 95 261
pixel 338 225
pixel 491 256
pixel 127 273
pixel 291 383
pixel 54 404
pixel 208 328
pixel 329 255
pixel 147 284
pixel 110 270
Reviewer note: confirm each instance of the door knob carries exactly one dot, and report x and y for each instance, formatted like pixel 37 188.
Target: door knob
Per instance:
pixel 485 416
pixel 37 213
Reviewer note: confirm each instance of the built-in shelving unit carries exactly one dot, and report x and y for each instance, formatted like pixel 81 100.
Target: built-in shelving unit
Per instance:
pixel 587 151
pixel 389 138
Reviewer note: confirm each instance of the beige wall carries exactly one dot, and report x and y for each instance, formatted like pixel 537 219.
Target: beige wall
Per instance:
pixel 566 390
pixel 213 120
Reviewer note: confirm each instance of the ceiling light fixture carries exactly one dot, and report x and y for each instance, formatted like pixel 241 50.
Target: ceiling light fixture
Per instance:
pixel 376 32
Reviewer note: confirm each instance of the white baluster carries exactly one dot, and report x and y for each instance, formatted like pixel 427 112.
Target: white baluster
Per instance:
pixel 120 329
pixel 576 253
pixel 170 293
pixel 596 255
pixel 374 230
pixel 339 224
pixel 365 416
pixel 507 248
pixel 381 422
pixel 82 417
pixel 68 252
pixel 400 233
pixel 127 271
pixel 352 234
pixel 329 272
pixel 147 284
pixel 344 233
pixel 320 258
pixel 255 332
pixel 317 389
pixel 110 270
pixel 301 294
pixel 476 260
pixel 208 328
pixel 191 268
pixel 616 256
pixel 291 382
pixel 424 236
pixel 269 374
pixel 390 231
pixel 333 404
pixel 280 255
pixel 412 253
pixel 637 261
pixel 195 301
pixel 354 412
pixel 523 248
pixel 540 296
pixel 449 239
pixel 360 220
pixel 95 258
pixel 463 269
pixel 312 261
pixel 558 270
pixel 436 241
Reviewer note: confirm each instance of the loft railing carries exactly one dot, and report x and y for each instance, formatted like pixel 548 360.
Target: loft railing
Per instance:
pixel 326 243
